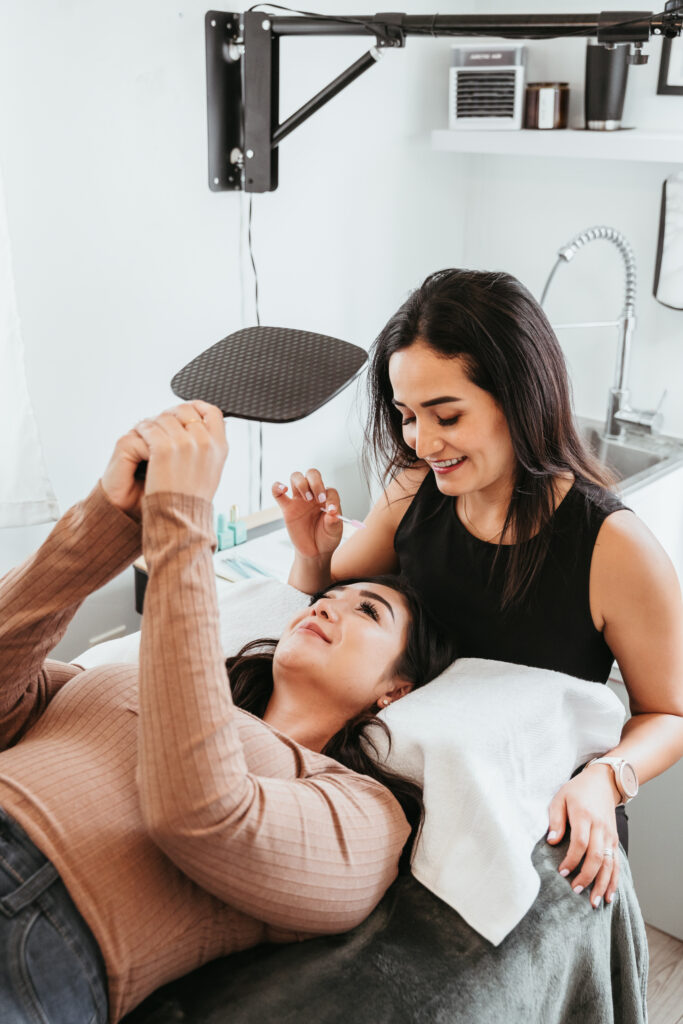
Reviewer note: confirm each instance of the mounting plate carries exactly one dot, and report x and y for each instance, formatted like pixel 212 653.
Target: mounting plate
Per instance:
pixel 224 98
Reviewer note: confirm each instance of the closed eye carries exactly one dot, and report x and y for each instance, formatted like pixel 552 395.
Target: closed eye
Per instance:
pixel 450 422
pixel 368 608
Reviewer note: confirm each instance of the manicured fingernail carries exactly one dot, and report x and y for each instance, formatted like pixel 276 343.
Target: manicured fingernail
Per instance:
pixel 279 486
pixel 552 835
pixel 577 889
pixel 564 872
pixel 322 496
pixel 331 508
pixel 609 897
pixel 596 902
pixel 309 496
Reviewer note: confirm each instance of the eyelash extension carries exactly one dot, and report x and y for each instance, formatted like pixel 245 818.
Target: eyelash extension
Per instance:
pixel 442 423
pixel 369 609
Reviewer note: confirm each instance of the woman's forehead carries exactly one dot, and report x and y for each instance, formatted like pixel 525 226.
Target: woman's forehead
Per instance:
pixel 423 367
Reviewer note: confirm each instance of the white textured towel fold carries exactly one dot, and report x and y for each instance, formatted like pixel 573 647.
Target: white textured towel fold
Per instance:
pixel 490 743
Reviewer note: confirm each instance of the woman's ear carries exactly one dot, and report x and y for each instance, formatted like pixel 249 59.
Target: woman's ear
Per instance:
pixel 400 690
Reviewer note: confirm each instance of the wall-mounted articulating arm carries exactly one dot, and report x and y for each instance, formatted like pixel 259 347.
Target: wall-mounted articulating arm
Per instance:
pixel 243 69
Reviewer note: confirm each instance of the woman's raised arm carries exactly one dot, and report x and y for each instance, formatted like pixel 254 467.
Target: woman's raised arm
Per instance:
pixel 310 853
pixel 316 535
pixel 91 544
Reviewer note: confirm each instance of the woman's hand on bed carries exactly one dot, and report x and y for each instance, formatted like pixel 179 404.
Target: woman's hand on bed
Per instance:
pixel 587 804
pixel 314 532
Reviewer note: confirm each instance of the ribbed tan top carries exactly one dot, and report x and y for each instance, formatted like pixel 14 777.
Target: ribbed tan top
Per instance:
pixel 183 828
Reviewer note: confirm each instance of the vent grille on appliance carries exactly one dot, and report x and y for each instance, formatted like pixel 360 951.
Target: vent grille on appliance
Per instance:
pixel 485 93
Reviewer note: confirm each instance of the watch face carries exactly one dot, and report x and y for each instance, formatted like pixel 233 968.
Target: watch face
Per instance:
pixel 629 779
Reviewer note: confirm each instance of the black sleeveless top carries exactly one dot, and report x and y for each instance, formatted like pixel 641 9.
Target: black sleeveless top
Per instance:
pixel 454 573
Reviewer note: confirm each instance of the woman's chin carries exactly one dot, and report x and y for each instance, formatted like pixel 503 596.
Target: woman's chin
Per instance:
pixel 447 484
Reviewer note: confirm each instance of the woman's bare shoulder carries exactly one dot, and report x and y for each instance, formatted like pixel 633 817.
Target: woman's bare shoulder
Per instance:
pixel 623 533
pixel 371 550
pixel 630 566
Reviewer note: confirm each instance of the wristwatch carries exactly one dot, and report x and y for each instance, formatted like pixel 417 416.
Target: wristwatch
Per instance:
pixel 624 776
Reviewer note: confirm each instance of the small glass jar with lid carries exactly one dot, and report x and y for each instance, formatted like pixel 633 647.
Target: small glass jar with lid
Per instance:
pixel 546 105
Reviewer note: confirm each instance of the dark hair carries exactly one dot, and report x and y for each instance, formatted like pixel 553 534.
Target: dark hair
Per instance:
pixel 509 349
pixel 428 651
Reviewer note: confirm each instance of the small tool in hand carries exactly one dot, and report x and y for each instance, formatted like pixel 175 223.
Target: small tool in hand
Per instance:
pixel 345 519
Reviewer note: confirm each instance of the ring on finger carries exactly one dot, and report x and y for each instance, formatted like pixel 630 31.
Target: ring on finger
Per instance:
pixel 608 853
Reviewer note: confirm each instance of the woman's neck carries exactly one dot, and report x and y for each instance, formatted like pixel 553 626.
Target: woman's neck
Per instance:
pixel 311 726
pixel 483 513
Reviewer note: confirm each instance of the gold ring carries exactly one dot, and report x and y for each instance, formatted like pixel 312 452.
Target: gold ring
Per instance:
pixel 192 421
pixel 608 853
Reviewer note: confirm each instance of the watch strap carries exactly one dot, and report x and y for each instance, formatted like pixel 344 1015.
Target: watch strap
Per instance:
pixel 614 763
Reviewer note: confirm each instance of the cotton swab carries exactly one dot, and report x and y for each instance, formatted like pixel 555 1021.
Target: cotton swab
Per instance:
pixel 345 519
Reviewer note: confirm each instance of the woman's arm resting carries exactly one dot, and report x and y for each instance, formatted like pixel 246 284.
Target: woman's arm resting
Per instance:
pixel 636 599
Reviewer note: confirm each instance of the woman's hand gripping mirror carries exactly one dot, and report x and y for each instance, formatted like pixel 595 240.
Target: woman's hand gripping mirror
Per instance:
pixel 185 448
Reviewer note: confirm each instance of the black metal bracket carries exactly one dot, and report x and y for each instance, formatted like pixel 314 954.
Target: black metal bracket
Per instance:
pixel 224 51
pixel 243 69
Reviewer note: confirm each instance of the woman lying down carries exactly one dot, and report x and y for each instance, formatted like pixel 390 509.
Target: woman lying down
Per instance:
pixel 148 825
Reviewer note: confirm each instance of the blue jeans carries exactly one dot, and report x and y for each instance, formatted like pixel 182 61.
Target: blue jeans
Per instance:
pixel 51 968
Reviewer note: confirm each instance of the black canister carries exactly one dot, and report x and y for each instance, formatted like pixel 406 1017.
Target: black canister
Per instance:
pixel 606 73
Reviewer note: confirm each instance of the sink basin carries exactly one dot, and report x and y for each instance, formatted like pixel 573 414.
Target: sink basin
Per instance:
pixel 635 460
pixel 621 458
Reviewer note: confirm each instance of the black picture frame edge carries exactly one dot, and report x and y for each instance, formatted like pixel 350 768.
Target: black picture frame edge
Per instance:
pixel 663 89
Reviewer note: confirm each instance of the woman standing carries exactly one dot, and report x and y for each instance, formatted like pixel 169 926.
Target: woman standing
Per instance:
pixel 504 522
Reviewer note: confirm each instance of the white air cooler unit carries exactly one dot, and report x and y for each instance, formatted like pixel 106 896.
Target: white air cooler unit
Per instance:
pixel 486 87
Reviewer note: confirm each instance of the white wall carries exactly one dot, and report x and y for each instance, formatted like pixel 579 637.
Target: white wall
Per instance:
pixel 127 266
pixel 524 209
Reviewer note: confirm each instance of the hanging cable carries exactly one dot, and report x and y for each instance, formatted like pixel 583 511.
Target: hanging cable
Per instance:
pixel 258 324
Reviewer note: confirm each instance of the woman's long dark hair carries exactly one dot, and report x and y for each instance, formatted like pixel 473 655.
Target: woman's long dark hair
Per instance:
pixel 509 349
pixel 428 651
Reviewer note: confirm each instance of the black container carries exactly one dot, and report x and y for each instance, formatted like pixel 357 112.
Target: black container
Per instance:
pixel 606 73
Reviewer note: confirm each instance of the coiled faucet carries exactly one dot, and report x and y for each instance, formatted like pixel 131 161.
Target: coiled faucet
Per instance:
pixel 619 411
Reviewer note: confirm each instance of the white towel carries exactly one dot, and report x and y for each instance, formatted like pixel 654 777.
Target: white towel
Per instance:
pixel 490 743
pixel 26 495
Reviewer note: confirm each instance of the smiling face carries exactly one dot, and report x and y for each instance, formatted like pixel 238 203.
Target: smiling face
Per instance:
pixel 455 426
pixel 340 653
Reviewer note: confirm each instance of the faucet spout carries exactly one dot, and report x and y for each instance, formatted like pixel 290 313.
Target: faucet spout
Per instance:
pixel 618 398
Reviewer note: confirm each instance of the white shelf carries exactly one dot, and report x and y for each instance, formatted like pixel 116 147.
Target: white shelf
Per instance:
pixel 634 144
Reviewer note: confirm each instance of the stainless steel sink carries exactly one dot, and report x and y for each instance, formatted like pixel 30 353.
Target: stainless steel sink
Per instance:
pixel 636 460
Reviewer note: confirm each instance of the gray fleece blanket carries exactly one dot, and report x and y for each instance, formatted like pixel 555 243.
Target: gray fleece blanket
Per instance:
pixel 416 961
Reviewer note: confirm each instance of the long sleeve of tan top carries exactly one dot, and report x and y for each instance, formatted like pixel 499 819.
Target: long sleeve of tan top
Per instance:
pixel 90 545
pixel 310 853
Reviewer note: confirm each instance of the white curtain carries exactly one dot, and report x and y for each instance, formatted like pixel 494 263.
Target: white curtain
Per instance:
pixel 26 495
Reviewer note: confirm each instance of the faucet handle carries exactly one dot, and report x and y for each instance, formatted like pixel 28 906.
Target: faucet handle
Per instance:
pixel 648 420
pixel 660 403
